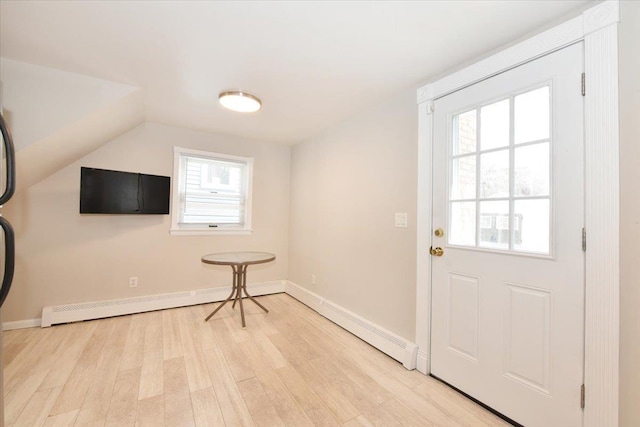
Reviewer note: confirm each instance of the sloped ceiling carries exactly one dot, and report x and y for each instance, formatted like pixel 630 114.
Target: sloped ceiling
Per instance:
pixel 72 142
pixel 57 117
pixel 39 101
pixel 312 63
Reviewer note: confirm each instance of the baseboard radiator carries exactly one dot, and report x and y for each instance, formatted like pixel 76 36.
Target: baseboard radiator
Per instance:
pixel 54 315
pixel 386 341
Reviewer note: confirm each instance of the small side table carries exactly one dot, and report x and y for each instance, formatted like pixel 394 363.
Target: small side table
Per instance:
pixel 239 261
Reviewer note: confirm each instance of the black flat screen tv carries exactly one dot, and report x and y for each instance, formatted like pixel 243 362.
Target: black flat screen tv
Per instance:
pixel 113 192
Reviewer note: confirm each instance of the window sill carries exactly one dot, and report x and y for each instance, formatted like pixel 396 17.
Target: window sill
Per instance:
pixel 209 232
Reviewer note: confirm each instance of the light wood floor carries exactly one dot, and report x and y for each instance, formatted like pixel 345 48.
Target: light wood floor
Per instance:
pixel 289 367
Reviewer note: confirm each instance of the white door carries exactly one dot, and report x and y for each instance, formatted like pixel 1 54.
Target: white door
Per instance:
pixel 508 287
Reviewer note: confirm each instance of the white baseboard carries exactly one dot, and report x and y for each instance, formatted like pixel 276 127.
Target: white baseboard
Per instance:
pixel 99 309
pixel 386 341
pixel 422 364
pixel 20 324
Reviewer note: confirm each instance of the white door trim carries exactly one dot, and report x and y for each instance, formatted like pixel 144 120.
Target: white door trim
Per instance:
pixel 598 28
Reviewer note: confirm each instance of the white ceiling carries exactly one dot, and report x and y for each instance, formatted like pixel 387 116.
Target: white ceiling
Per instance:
pixel 313 64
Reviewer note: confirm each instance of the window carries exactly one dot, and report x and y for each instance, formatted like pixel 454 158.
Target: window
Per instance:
pixel 211 193
pixel 500 174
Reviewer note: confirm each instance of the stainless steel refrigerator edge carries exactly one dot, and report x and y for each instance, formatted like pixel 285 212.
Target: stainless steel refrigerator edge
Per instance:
pixel 8 182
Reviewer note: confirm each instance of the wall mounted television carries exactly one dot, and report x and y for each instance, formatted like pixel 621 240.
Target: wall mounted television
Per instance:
pixel 105 191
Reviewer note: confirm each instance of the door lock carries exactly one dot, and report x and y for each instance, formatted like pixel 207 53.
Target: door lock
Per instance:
pixel 438 251
pixel 439 232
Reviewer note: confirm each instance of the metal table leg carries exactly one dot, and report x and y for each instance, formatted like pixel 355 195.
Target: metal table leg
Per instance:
pixel 234 289
pixel 243 287
pixel 239 286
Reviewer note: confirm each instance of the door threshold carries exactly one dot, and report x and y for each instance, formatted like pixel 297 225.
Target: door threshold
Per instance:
pixel 488 408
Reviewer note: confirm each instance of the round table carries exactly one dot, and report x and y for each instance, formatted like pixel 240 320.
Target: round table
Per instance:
pixel 239 261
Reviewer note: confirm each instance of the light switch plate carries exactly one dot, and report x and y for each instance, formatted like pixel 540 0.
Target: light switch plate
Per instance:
pixel 401 219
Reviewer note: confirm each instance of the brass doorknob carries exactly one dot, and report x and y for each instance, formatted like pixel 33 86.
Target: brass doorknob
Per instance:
pixel 436 251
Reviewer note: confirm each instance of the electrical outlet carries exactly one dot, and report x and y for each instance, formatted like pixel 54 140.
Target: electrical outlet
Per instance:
pixel 133 281
pixel 313 279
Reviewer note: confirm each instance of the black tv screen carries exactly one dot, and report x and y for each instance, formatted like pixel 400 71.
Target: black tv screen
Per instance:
pixel 113 192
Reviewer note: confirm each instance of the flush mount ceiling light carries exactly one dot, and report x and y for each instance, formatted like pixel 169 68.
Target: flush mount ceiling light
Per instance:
pixel 236 100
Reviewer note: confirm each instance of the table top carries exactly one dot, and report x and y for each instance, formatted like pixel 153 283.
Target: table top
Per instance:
pixel 238 258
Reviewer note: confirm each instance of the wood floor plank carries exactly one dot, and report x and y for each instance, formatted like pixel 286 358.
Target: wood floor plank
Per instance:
pixel 169 368
pixel 95 405
pixel 150 412
pixel 38 408
pixel 337 403
pixel 267 328
pixel 205 336
pixel 134 349
pixel 237 362
pixel 453 403
pixel 432 414
pixel 234 327
pixel 406 416
pixel 311 404
pixel 178 410
pixel 151 379
pixel 316 339
pixel 11 350
pixel 232 406
pixel 124 400
pixel 73 348
pixel 196 366
pixel 34 369
pixel 152 371
pixel 360 421
pixel 270 352
pixel 172 347
pixel 67 419
pixel 352 392
pixel 14 367
pixel 206 410
pixel 293 347
pixel 258 403
pixel 82 376
pixel 283 401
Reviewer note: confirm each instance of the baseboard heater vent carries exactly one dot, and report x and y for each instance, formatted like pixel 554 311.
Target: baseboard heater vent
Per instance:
pixel 402 350
pixel 66 313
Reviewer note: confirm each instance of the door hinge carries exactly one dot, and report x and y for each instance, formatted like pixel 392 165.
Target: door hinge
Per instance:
pixel 583 85
pixel 582 396
pixel 584 239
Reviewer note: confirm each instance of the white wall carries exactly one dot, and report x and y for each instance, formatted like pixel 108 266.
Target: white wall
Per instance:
pixel 629 213
pixel 346 185
pixel 64 257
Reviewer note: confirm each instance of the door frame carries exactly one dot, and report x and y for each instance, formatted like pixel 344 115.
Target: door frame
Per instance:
pixel 597 28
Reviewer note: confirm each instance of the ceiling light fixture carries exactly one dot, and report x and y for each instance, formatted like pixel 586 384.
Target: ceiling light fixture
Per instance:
pixel 239 101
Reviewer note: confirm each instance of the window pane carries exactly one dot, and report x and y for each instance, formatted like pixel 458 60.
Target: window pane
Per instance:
pixel 494 174
pixel 465 133
pixel 531 166
pixel 213 192
pixel 214 176
pixel 494 225
pixel 494 125
pixel 462 224
pixel 463 183
pixel 531 121
pixel 532 225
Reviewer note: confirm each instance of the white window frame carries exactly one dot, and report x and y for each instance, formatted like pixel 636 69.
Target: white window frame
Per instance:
pixel 202 229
